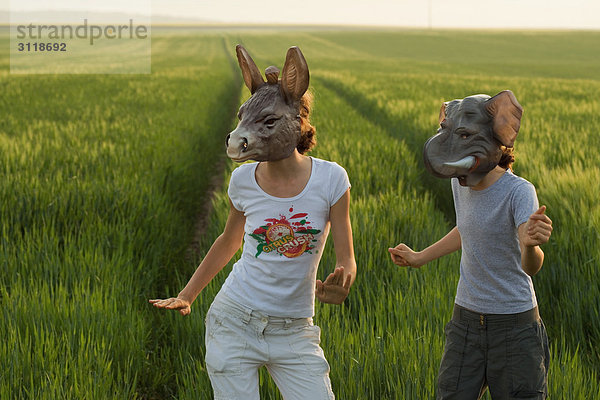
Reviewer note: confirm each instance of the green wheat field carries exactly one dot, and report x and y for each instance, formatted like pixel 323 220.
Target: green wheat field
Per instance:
pixel 103 179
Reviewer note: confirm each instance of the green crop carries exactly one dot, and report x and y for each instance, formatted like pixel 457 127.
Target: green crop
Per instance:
pixel 103 178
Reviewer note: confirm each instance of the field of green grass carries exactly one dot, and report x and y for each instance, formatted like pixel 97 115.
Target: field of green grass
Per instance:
pixel 103 178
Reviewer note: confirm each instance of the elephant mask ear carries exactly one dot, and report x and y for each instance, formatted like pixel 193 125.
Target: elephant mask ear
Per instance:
pixel 250 72
pixel 506 113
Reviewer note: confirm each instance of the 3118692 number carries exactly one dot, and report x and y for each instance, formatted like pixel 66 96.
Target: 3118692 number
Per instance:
pixel 35 46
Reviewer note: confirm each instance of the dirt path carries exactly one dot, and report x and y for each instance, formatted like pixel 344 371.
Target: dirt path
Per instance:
pixel 215 184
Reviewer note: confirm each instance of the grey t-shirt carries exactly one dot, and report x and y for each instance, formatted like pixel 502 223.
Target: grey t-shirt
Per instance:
pixel 491 278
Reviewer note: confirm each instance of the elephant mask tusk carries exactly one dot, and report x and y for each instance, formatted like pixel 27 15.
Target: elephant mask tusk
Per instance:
pixel 467 162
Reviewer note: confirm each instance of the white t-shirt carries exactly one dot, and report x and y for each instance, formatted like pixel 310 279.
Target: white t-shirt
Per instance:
pixel 283 240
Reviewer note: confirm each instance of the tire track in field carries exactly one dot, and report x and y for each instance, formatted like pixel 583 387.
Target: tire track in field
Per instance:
pixel 399 130
pixel 329 47
pixel 216 181
pixel 160 348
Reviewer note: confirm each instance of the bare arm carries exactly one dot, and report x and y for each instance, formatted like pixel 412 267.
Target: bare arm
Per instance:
pixel 533 233
pixel 336 287
pixel 404 256
pixel 222 250
pixel 341 232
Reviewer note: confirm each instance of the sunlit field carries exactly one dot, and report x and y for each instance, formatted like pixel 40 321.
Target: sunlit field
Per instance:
pixel 104 177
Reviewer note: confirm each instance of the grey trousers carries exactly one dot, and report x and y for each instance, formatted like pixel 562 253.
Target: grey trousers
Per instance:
pixel 507 353
pixel 240 340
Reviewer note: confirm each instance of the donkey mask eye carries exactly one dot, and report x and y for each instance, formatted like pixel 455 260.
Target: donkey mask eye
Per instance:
pixel 271 122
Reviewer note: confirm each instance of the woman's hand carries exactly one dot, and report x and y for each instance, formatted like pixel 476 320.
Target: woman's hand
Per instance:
pixel 173 303
pixel 538 228
pixel 404 256
pixel 335 289
pixel 532 234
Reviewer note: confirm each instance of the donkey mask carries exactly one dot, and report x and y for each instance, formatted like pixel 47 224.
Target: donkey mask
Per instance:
pixel 467 144
pixel 269 127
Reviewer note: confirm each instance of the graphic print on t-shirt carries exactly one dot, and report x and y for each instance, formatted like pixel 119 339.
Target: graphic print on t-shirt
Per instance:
pixel 288 236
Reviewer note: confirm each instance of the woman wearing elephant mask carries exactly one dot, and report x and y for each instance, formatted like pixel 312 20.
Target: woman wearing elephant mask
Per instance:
pixel 495 338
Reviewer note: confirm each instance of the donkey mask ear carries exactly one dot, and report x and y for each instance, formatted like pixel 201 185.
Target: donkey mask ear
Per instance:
pixel 295 76
pixel 506 113
pixel 250 72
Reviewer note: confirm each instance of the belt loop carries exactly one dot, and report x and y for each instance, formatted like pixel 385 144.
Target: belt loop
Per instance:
pixel 287 324
pixel 247 316
pixel 457 313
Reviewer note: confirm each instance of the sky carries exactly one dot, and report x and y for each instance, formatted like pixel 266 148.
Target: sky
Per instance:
pixel 553 14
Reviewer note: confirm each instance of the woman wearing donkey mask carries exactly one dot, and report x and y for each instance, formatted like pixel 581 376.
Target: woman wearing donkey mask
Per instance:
pixel 282 207
pixel 496 338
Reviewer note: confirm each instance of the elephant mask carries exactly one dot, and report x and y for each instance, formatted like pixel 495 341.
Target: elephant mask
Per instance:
pixel 472 130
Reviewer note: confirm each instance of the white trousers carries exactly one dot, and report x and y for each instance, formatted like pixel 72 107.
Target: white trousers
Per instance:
pixel 239 341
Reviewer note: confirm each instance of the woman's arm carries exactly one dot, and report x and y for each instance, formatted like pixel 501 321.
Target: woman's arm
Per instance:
pixel 532 234
pixel 341 232
pixel 222 250
pixel 336 287
pixel 404 256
